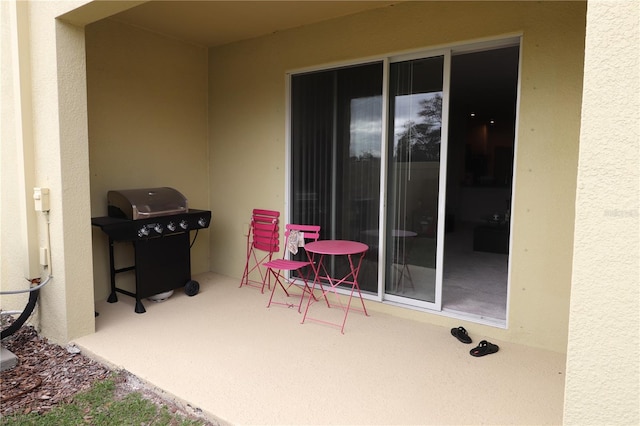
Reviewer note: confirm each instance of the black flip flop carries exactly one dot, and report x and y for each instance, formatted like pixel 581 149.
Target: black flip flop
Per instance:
pixel 461 334
pixel 484 348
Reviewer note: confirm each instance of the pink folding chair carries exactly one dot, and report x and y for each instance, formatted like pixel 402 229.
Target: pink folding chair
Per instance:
pixel 294 238
pixel 262 243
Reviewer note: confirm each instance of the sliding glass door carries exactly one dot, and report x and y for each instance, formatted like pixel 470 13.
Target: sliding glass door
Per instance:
pixel 337 140
pixel 369 152
pixel 415 172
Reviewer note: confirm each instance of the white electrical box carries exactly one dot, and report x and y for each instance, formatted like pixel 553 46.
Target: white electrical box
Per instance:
pixel 41 198
pixel 44 256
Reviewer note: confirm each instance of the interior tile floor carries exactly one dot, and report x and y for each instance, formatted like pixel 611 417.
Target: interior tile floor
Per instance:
pixel 224 352
pixel 474 282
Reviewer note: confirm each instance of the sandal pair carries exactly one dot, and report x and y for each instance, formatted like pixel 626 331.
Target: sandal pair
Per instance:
pixel 483 348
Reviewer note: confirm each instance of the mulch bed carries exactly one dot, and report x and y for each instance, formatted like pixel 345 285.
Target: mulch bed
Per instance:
pixel 46 374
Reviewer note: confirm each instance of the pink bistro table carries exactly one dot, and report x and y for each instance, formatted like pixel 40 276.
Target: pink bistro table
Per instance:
pixel 317 252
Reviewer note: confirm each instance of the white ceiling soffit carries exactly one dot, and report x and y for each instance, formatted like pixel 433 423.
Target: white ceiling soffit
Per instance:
pixel 214 23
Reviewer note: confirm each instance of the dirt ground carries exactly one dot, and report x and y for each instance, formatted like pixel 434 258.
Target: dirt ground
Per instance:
pixel 48 375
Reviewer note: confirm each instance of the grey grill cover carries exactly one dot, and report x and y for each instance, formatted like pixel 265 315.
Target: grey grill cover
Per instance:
pixel 145 203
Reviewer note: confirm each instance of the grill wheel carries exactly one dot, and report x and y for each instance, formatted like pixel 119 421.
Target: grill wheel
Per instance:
pixel 191 288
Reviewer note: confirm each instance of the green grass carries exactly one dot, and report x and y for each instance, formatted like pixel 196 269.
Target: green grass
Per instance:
pixel 99 407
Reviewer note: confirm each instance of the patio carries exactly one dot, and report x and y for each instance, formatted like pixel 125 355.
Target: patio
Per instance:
pixel 224 352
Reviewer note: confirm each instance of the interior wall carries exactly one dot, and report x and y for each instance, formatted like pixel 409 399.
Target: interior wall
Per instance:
pixel 147 107
pixel 247 116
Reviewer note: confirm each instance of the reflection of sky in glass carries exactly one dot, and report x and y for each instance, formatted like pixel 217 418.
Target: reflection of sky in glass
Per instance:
pixel 366 126
pixel 407 108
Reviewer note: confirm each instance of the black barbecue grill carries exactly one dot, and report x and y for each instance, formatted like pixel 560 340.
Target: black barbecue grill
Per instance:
pixel 157 221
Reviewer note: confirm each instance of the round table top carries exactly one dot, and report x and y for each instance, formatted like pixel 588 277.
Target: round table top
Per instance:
pixel 336 247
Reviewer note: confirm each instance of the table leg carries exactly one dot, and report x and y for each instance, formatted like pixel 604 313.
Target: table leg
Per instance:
pixel 354 286
pixel 333 284
pixel 316 279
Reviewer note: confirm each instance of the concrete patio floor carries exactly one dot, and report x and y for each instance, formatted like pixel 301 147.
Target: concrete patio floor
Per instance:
pixel 225 353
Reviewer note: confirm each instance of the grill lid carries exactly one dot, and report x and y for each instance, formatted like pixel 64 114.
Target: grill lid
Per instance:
pixel 145 203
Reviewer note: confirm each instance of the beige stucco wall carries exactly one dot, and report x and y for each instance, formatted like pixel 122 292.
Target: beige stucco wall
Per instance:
pixel 147 103
pixel 51 89
pixel 247 122
pixel 12 276
pixel 603 359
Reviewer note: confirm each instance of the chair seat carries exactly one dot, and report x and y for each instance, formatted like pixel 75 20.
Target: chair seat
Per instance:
pixel 293 235
pixel 285 264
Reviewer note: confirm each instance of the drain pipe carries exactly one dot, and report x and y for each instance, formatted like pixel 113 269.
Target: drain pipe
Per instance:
pixel 26 313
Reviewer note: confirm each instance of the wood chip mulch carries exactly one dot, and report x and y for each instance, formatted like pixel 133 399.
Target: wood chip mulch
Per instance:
pixel 46 374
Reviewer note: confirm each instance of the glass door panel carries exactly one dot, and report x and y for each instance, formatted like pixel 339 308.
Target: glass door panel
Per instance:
pixel 336 134
pixel 413 186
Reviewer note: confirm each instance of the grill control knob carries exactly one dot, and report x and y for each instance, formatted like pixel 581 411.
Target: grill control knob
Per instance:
pixel 202 222
pixel 184 224
pixel 143 232
pixel 171 226
pixel 158 228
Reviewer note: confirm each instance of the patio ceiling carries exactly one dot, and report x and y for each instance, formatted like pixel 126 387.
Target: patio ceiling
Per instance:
pixel 214 23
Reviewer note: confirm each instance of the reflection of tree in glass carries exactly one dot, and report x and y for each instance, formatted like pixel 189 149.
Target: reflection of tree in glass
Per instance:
pixel 365 156
pixel 421 141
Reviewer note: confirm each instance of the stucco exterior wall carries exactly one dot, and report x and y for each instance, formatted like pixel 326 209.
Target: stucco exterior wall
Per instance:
pixel 54 132
pixel 11 266
pixel 603 367
pixel 248 148
pixel 147 107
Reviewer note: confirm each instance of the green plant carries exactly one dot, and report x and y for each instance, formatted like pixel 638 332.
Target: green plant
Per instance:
pixel 99 406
